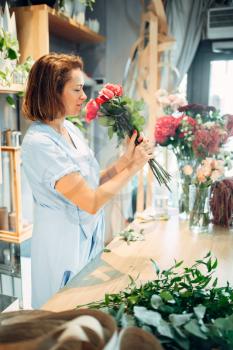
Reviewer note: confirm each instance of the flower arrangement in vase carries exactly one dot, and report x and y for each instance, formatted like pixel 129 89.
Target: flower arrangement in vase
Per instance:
pixel 209 171
pixel 193 132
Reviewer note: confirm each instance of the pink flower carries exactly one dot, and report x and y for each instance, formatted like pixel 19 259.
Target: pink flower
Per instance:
pixel 187 170
pixel 108 94
pixel 216 174
pixel 101 99
pixel 206 170
pixel 92 108
pixel 207 166
pixel 115 88
pixel 217 164
pixel 207 162
pixel 201 176
pixel 207 141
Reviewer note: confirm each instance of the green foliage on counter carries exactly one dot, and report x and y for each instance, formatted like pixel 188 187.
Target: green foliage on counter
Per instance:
pixel 183 307
pixel 130 235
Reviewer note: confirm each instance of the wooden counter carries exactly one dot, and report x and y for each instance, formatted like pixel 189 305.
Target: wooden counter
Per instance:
pixel 164 241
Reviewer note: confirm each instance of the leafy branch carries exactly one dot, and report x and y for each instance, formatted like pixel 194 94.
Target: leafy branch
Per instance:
pixel 184 309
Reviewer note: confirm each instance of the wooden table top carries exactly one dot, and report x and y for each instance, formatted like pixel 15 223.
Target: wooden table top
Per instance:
pixel 164 242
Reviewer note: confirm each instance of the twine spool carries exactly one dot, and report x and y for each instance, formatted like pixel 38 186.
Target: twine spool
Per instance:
pixel 4 222
pixel 12 221
pixel 8 133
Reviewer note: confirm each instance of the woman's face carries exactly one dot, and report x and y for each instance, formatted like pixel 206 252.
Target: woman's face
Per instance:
pixel 73 95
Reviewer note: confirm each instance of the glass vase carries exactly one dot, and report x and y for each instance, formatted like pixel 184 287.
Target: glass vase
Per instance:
pixel 199 218
pixel 183 187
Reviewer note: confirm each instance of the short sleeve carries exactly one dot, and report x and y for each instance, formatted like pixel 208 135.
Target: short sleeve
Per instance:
pixel 45 160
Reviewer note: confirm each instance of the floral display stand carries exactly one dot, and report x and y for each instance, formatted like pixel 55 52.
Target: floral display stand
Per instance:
pixel 145 59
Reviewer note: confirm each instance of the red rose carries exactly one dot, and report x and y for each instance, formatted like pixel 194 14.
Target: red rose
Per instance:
pixel 92 108
pixel 115 88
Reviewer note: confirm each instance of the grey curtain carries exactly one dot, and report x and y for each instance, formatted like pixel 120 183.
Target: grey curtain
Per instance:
pixel 186 20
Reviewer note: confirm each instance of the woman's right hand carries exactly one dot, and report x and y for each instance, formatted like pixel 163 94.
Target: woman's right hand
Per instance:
pixel 142 154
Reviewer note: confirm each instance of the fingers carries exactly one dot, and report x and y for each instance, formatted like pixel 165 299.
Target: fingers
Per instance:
pixel 146 149
pixel 127 140
pixel 133 139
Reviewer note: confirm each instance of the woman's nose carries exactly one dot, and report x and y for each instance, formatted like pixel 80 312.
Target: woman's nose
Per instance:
pixel 84 96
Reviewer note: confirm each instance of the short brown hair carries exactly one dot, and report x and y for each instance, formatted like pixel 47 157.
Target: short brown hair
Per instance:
pixel 46 81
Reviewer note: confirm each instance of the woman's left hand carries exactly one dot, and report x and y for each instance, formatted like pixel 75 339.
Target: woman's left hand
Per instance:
pixel 128 154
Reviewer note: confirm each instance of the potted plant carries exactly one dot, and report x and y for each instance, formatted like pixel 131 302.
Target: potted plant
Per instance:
pixel 10 71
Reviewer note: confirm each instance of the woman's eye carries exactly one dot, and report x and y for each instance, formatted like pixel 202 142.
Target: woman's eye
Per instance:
pixel 78 90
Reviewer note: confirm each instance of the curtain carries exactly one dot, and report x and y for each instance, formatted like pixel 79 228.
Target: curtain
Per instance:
pixel 186 21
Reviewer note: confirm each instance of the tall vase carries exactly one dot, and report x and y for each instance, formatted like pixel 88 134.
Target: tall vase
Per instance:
pixel 185 178
pixel 199 208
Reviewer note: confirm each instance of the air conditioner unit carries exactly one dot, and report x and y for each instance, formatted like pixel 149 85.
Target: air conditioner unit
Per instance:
pixel 220 23
pixel 222 46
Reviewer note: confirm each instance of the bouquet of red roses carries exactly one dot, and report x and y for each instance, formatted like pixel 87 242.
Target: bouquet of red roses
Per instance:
pixel 122 116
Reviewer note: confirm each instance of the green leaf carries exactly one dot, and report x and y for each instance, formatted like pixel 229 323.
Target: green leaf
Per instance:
pixel 165 329
pixel 179 263
pixel 110 132
pixel 156 301
pixel 179 319
pixel 155 265
pixel 224 323
pixel 165 295
pixel 11 101
pixel 182 341
pixel 215 282
pixel 106 250
pixel 179 332
pixel 120 312
pixel 148 317
pixel 133 299
pixel 215 264
pixel 12 54
pixel 199 311
pixel 127 321
pixel 207 255
pixel 21 93
pixel 106 121
pixel 2 75
pixel 209 265
pixel 193 328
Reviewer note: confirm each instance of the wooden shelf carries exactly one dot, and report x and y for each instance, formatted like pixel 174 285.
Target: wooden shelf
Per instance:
pixel 70 29
pixel 10 148
pixel 21 232
pixel 12 89
pixel 16 237
pixel 36 23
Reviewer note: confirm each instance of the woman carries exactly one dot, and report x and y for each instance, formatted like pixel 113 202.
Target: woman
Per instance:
pixel 68 192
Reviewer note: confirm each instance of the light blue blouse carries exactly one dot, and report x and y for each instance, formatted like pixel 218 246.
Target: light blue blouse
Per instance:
pixel 65 238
